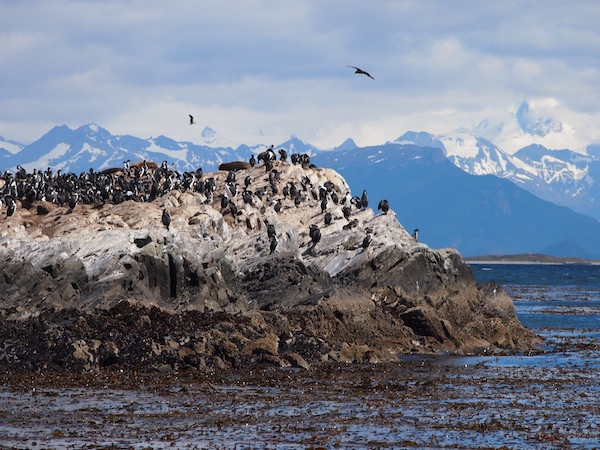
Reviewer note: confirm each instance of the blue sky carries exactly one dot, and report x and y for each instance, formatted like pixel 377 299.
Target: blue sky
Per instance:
pixel 260 71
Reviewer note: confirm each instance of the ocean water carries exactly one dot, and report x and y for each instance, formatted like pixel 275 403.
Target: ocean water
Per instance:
pixel 549 296
pixel 546 399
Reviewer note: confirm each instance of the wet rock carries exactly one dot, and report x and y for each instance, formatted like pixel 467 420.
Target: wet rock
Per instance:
pixel 296 360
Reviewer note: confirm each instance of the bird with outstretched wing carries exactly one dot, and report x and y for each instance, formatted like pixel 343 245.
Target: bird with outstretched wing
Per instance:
pixel 362 72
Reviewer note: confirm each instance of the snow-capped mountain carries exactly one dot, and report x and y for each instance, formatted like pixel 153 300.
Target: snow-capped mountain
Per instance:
pixel 564 177
pixel 91 146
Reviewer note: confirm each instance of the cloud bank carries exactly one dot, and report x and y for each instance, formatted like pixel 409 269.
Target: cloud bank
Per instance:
pixel 258 71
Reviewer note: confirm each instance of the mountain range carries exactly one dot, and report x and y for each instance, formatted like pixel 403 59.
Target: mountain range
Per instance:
pixel 460 189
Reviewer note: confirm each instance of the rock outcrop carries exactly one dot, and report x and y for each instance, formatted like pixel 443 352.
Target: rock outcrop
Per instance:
pixel 112 285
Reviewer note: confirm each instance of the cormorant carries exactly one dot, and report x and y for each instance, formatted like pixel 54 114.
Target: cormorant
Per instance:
pixel 360 71
pixel 315 234
pixel 270 230
pixel 416 234
pixel 367 240
pixel 324 204
pixel 346 210
pixel 73 201
pixel 233 208
pixel 273 245
pixel 191 119
pixel 166 219
pixel 364 200
pixel 384 206
pixel 11 206
pixel 328 218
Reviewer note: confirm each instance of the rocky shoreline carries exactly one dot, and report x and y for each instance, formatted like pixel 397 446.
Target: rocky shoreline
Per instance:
pixel 110 286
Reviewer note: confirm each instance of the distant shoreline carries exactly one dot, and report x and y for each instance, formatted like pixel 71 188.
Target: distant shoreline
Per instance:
pixel 528 259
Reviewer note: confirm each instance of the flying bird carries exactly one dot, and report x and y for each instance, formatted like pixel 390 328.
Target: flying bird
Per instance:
pixel 362 72
pixel 191 119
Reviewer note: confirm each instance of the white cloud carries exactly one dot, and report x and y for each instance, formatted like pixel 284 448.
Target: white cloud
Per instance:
pixel 278 68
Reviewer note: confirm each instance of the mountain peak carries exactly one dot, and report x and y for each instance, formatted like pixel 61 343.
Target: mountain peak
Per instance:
pixel 348 144
pixel 532 122
pixel 421 139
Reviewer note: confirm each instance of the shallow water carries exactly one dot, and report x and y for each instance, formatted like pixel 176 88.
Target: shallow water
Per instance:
pixel 546 399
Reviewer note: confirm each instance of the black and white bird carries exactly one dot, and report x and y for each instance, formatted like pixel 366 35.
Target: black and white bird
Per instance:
pixel 11 206
pixel 364 200
pixel 328 218
pixel 416 234
pixel 324 204
pixel 384 206
pixel 191 119
pixel 273 244
pixel 361 72
pixel 271 230
pixel 73 201
pixel 166 219
pixel 367 241
pixel 315 234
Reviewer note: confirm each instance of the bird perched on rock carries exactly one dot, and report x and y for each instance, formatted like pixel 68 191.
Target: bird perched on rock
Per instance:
pixel 233 208
pixel 352 224
pixel 273 244
pixel 224 201
pixel 252 161
pixel 364 200
pixel 166 219
pixel 367 241
pixel 361 72
pixel 346 210
pixel 73 201
pixel 11 206
pixel 328 218
pixel 416 234
pixel 315 234
pixel 271 230
pixel 384 206
pixel 324 204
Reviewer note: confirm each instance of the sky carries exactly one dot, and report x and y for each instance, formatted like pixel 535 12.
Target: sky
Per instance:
pixel 258 72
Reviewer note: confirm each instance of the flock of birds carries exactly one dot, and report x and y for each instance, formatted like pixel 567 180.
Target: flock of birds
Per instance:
pixel 147 181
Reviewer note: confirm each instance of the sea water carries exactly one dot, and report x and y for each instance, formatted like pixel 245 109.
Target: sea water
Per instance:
pixel 549 296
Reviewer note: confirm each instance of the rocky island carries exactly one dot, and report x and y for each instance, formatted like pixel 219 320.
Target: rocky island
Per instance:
pixel 272 264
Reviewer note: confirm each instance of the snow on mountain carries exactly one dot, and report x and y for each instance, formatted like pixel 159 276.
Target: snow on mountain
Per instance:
pixel 421 139
pixel 564 177
pixel 91 146
pixel 542 121
pixel 9 147
pixel 535 124
pixel 209 137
